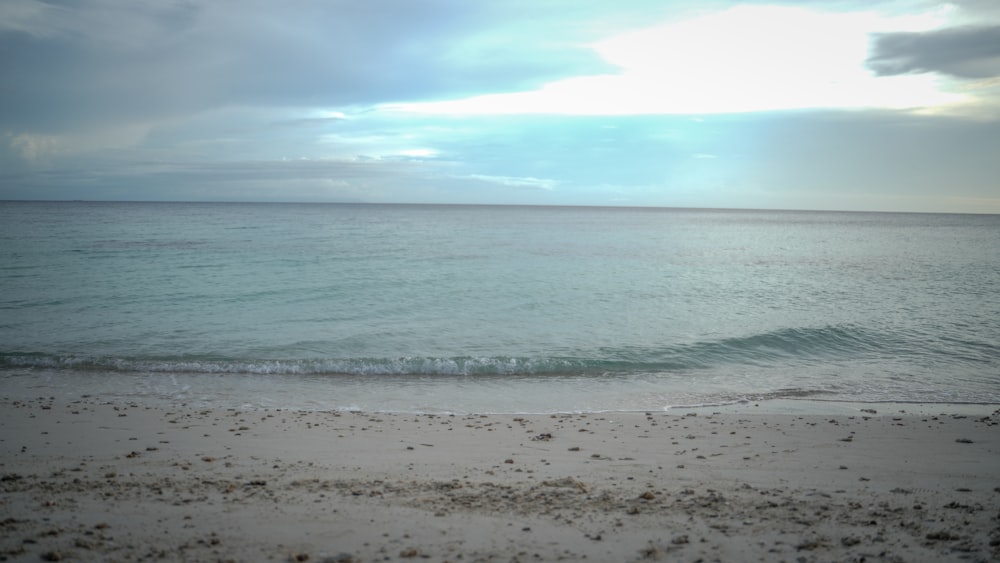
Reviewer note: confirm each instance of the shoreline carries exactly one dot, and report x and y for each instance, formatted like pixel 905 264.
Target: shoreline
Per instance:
pixel 223 394
pixel 820 407
pixel 118 480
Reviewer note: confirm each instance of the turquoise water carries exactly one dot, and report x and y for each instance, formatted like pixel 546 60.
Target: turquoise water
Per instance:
pixel 495 309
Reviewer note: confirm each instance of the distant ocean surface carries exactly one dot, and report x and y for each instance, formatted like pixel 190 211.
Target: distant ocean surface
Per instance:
pixel 494 309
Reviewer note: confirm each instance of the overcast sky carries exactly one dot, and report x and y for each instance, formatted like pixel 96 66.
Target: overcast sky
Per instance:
pixel 821 104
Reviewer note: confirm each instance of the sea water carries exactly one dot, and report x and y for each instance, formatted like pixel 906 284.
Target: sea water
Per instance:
pixel 488 309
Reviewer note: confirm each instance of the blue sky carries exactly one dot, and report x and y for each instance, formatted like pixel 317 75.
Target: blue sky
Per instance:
pixel 825 104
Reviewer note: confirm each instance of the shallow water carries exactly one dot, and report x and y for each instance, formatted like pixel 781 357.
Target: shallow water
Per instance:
pixel 495 309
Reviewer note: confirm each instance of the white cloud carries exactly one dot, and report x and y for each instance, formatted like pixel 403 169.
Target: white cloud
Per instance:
pixel 418 153
pixel 33 148
pixel 513 181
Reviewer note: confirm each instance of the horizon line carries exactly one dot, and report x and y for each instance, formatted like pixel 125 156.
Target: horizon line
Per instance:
pixel 459 204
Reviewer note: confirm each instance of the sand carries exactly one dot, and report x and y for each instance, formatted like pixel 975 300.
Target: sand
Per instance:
pixel 97 480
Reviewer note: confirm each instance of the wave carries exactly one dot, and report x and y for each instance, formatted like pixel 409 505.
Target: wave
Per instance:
pixel 785 347
pixel 779 346
pixel 496 365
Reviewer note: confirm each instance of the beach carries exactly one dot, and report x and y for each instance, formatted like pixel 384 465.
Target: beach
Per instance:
pixel 93 479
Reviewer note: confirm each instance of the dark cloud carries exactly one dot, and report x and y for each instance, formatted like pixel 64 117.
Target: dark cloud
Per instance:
pixel 95 62
pixel 964 52
pixel 279 180
pixel 878 152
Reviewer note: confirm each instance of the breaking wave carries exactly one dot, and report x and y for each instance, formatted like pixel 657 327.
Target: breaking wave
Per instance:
pixel 782 348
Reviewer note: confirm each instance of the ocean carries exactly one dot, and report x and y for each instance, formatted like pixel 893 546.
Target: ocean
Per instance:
pixel 494 309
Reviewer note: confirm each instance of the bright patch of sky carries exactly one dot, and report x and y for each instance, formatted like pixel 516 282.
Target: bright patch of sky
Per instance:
pixel 745 59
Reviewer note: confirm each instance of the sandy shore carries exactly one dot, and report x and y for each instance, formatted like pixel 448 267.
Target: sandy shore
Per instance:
pixel 90 480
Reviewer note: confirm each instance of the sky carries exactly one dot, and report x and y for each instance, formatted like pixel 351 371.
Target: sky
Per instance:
pixel 813 104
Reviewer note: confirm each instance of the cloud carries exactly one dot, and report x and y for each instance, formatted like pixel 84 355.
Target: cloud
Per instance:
pixel 515 182
pixel 91 62
pixel 277 180
pixel 962 52
pixel 33 148
pixel 300 101
pixel 834 160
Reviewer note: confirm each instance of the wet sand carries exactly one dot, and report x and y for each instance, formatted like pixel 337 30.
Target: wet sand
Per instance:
pixel 95 480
